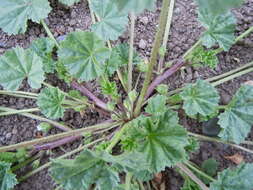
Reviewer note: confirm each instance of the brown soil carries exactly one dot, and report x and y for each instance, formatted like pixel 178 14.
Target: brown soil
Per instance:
pixel 185 31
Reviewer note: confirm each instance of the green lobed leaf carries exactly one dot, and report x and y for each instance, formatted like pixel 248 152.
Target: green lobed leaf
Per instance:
pixel 237 119
pixel 235 179
pixel 69 2
pixel 7 178
pixel 19 64
pixel 162 143
pixel 216 7
pixel 86 169
pixel 137 6
pixel 50 101
pixel 201 98
pixel 206 57
pixel 156 106
pixel 109 88
pixel 84 55
pixel 210 166
pixel 112 22
pixel 43 47
pixel 14 14
pixel 219 29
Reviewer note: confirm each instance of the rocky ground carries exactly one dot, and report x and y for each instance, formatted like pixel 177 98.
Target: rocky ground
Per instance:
pixel 185 31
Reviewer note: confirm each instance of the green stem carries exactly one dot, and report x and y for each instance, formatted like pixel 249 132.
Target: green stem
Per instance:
pixel 54 123
pixel 49 33
pixel 199 171
pixel 128 181
pixel 226 79
pixel 18 92
pixel 116 138
pixel 189 52
pixel 202 137
pixel 154 55
pixel 166 34
pixel 228 76
pixel 189 173
pixel 24 163
pixel 244 34
pixel 131 53
pixel 131 50
pixel 230 72
pixel 50 138
pixel 60 157
pixel 19 111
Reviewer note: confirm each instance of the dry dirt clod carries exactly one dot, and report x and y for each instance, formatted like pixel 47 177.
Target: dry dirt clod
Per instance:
pixel 142 44
pixel 236 158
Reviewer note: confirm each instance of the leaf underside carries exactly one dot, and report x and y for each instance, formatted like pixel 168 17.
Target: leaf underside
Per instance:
pixel 14 14
pixel 19 64
pixel 237 119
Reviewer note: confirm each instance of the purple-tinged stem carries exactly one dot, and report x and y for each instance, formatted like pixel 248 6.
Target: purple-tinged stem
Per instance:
pixel 164 76
pixel 52 145
pixel 89 94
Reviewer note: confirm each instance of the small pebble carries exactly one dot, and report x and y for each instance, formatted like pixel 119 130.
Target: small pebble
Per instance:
pixel 142 44
pixel 144 20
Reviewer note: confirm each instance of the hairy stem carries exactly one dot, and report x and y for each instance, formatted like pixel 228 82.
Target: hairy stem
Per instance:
pixel 202 137
pixel 5 113
pixel 131 53
pixel 50 138
pixel 154 55
pixel 199 171
pixel 93 19
pixel 116 138
pixel 164 76
pixel 18 92
pixel 226 79
pixel 230 72
pixel 189 173
pixel 89 94
pixel 47 165
pixel 49 33
pixel 166 34
pixel 32 116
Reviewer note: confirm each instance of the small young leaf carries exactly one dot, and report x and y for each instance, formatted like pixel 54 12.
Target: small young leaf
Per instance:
pixel 50 101
pixel 14 14
pixel 201 98
pixel 210 166
pixel 69 2
pixel 237 119
pixel 162 143
pixel 7 178
pixel 220 29
pixel 206 57
pixel 235 179
pixel 156 106
pixel 112 22
pixel 137 6
pixel 109 88
pixel 44 127
pixel 162 89
pixel 216 7
pixel 18 64
pixel 63 73
pixel 84 55
pixel 43 47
